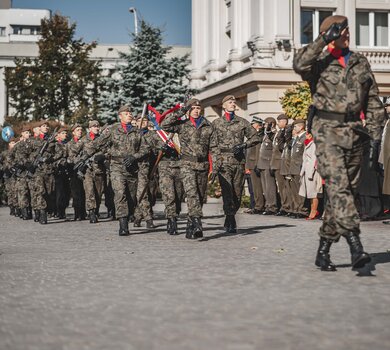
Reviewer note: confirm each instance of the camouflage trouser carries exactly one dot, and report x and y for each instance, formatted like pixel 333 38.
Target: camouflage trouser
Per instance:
pixel 77 192
pixel 124 185
pixel 23 192
pixel 231 179
pixel 339 151
pixel 269 186
pixel 44 190
pixel 195 188
pixel 143 209
pixel 34 192
pixel 93 187
pixel 12 195
pixel 171 187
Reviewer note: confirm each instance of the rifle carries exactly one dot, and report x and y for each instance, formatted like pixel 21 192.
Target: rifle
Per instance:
pixel 39 158
pixel 151 176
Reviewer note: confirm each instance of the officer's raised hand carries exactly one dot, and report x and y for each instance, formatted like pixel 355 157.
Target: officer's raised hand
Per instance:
pixel 334 31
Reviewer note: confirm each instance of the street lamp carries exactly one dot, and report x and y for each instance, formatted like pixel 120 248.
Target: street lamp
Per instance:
pixel 134 11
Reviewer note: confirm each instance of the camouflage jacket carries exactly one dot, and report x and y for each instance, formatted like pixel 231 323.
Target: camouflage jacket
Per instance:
pixel 85 143
pixel 60 158
pixel 73 149
pixel 36 145
pixel 195 143
pixel 118 144
pixel 231 133
pixel 337 89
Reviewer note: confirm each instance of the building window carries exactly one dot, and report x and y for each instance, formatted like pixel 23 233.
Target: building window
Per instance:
pixel 310 23
pixel 372 29
pixel 2 31
pixel 26 30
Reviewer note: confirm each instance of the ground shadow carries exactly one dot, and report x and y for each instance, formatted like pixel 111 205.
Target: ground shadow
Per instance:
pixel 366 271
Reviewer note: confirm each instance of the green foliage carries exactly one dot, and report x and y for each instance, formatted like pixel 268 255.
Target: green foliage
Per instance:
pixel 148 76
pixel 296 101
pixel 61 81
pixel 245 201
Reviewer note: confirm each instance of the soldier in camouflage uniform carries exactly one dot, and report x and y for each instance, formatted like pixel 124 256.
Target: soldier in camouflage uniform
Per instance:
pixel 95 174
pixel 73 149
pixel 196 136
pixel 343 87
pixel 9 176
pixel 230 132
pixel 126 146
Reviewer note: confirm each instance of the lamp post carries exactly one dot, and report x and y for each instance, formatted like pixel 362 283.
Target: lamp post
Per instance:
pixel 134 11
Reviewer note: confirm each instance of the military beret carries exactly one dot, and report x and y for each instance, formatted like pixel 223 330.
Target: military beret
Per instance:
pixel 193 102
pixel 26 127
pixel 125 108
pixel 328 21
pixel 282 116
pixel 93 123
pixel 227 98
pixel 299 121
pixel 61 129
pixel 270 120
pixel 75 126
pixel 257 120
pixel 42 122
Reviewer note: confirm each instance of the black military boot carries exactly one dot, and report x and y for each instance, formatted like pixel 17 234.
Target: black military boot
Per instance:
pixel 11 210
pixel 150 224
pixel 137 222
pixel 359 258
pixel 24 213
pixel 230 224
pixel 197 231
pixel 92 217
pixel 189 229
pixel 123 227
pixel 172 226
pixel 18 213
pixel 36 215
pixel 323 258
pixel 76 213
pixel 61 214
pixel 29 213
pixel 43 217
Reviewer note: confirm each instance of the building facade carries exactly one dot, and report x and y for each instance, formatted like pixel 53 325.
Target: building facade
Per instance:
pixel 246 47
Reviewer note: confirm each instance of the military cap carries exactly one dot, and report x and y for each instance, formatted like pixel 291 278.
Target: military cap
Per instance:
pixel 227 98
pixel 125 108
pixel 75 126
pixel 193 102
pixel 270 120
pixel 299 121
pixel 257 120
pixel 282 116
pixel 328 21
pixel 93 123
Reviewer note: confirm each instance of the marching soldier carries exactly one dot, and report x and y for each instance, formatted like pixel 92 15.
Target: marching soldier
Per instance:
pixel 73 149
pixel 126 146
pixel 264 164
pixel 9 177
pixel 276 159
pixel 343 87
pixel 230 133
pixel 197 140
pixel 252 157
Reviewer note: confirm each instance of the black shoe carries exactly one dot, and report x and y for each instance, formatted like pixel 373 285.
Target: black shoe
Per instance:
pixel 197 231
pixel 150 224
pixel 43 217
pixel 92 216
pixel 24 213
pixel 268 212
pixel 11 211
pixel 323 258
pixel 300 216
pixel 292 216
pixel 359 258
pixel 123 227
pixel 387 222
pixel 29 213
pixel 36 215
pixel 76 214
pixel 230 224
pixel 136 223
pixel 172 226
pixel 18 213
pixel 189 229
pixel 281 213
pixel 61 214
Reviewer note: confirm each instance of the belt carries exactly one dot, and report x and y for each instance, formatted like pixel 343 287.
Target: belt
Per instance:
pixel 340 117
pixel 226 150
pixel 194 159
pixel 118 158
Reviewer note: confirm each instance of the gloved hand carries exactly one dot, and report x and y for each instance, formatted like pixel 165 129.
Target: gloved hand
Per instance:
pixel 165 148
pixel 99 158
pixel 257 171
pixel 374 154
pixel 129 161
pixel 238 149
pixel 334 31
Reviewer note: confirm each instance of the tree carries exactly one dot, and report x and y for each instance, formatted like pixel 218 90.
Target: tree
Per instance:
pixel 147 76
pixel 296 101
pixel 61 83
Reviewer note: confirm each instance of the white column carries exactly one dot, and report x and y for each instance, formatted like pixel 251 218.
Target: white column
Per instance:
pixel 235 50
pixel 350 12
pixel 3 96
pixel 196 52
pixel 214 20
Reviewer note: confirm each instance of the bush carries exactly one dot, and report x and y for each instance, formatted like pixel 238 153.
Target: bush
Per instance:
pixel 296 101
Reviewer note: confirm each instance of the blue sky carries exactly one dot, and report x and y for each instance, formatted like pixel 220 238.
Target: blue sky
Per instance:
pixel 109 21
